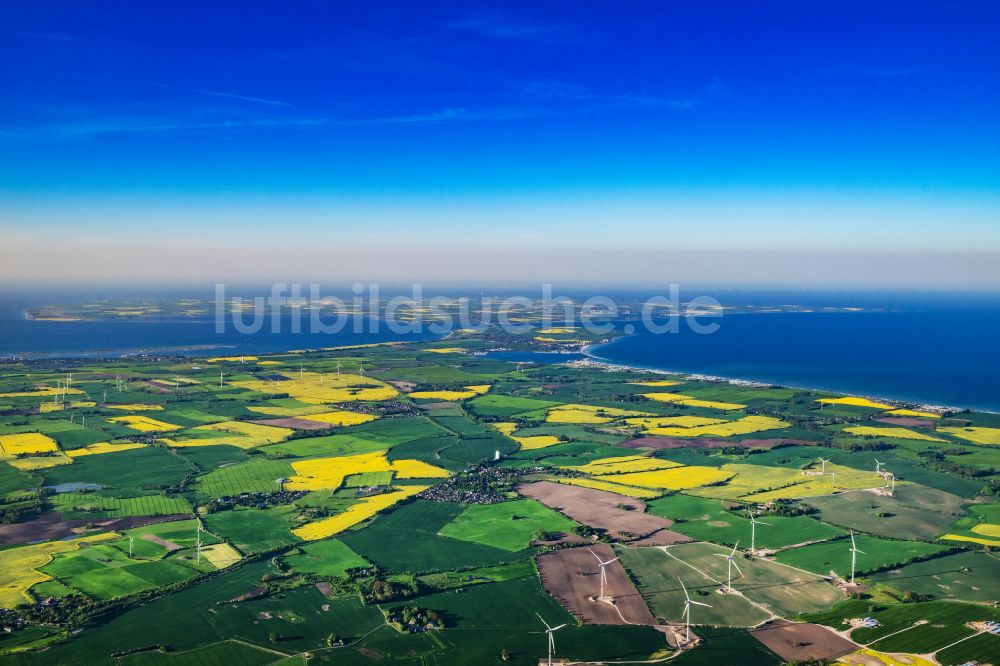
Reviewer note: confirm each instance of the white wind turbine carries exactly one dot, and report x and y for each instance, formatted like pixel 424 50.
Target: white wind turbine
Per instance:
pixel 878 466
pixel 604 575
pixel 753 532
pixel 552 641
pixel 824 461
pixel 130 540
pixel 731 563
pixel 197 542
pixel 338 367
pixel 854 555
pixel 687 611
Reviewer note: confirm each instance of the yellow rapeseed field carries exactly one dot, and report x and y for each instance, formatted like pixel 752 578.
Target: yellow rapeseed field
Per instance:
pixel 743 426
pixel 329 473
pixel 856 402
pixel 103 447
pixel 984 541
pixel 468 392
pixel 25 443
pixel 898 433
pixel 556 330
pixel 674 478
pixel 221 555
pixel 230 359
pixel 446 350
pixel 270 363
pixel 536 441
pixel 628 491
pixel 48 407
pixel 542 338
pixel 144 423
pixel 417 469
pixel 910 412
pixel 45 392
pixel 136 407
pixel 574 413
pixel 287 411
pixel 19 566
pixel 314 388
pixel 671 421
pixel 341 418
pixel 623 464
pixel 873 657
pixel 32 463
pixel 989 436
pixel 242 434
pixel 506 427
pixel 987 529
pixel 681 399
pixel 363 510
pixel 657 383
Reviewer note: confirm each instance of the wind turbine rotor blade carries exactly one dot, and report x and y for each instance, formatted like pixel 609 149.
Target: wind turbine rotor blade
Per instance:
pixel 861 551
pixel 684 587
pixel 594 554
pixel 698 603
pixel 735 546
pixel 761 522
pixel 544 622
pixel 557 628
pixel 614 560
pixel 737 566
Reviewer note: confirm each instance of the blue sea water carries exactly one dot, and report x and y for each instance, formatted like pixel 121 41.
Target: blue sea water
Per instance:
pixel 937 355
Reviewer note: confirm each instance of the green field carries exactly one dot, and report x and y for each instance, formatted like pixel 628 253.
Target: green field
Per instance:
pixel 245 477
pixel 325 558
pixel 93 505
pixel 834 555
pixel 964 576
pixel 509 525
pixel 417 525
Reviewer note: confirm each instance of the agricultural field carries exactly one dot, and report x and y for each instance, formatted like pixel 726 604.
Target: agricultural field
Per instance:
pixel 289 508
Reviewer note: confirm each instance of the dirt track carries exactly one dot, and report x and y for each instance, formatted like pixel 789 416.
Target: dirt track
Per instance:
pixel 572 575
pixel 597 508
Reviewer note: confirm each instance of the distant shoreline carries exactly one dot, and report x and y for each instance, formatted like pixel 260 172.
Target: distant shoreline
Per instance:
pixel 591 352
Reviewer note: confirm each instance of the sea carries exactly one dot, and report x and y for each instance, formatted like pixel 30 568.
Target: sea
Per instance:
pixel 938 348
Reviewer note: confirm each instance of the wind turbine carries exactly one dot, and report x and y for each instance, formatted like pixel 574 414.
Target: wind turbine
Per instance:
pixel 833 480
pixel 687 611
pixel 878 466
pixel 552 641
pixel 753 532
pixel 130 540
pixel 604 575
pixel 338 367
pixel 854 555
pixel 892 491
pixel 220 377
pixel 732 563
pixel 361 368
pixel 197 542
pixel 824 461
pixel 300 372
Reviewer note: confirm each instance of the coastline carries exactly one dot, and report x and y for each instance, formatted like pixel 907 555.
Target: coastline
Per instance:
pixel 595 360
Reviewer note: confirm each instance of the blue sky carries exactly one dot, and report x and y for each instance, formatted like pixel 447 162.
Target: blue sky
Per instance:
pixel 436 128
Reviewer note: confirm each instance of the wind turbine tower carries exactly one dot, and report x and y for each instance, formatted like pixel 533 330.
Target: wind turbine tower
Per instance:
pixel 854 556
pixel 604 576
pixel 878 466
pixel 823 461
pixel 552 641
pixel 753 532
pixel 731 563
pixel 687 611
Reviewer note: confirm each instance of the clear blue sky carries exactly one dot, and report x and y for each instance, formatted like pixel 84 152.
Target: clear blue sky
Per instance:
pixel 436 128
